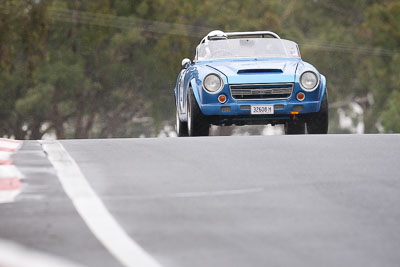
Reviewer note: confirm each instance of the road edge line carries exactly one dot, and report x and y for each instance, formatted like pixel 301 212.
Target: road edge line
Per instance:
pixel 93 211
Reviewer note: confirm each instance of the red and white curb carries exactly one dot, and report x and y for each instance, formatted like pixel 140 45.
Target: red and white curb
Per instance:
pixel 10 176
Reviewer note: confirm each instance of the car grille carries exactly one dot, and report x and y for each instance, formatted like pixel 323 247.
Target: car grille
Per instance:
pixel 261 91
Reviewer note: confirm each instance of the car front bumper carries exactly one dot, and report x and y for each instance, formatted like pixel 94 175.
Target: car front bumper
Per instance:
pixel 238 113
pixel 238 108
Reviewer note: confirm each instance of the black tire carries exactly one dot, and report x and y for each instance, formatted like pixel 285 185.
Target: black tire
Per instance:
pixel 318 122
pixel 198 124
pixel 295 127
pixel 180 127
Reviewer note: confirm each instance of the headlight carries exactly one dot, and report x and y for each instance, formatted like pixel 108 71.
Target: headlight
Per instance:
pixel 213 83
pixel 309 81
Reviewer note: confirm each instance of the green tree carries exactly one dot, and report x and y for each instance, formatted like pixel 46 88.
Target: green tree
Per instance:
pixel 23 32
pixel 381 74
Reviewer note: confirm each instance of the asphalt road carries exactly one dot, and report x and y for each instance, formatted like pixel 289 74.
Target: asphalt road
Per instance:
pixel 221 201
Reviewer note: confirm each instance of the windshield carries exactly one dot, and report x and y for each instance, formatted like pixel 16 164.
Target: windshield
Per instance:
pixel 247 48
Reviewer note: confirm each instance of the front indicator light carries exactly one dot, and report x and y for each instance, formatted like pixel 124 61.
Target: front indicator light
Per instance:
pixel 301 96
pixel 222 99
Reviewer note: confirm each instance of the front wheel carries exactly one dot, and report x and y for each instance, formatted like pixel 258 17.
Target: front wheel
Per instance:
pixel 197 123
pixel 318 122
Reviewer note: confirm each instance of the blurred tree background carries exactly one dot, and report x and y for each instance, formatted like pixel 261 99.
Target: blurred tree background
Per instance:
pixel 107 68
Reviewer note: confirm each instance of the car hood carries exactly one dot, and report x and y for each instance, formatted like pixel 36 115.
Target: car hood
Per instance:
pixel 257 71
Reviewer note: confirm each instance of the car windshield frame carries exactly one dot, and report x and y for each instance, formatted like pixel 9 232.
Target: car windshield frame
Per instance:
pixel 240 48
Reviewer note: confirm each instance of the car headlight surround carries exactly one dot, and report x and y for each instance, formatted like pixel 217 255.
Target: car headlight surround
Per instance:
pixel 213 83
pixel 309 81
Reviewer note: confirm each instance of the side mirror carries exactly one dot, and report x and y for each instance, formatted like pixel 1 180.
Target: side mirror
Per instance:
pixel 186 62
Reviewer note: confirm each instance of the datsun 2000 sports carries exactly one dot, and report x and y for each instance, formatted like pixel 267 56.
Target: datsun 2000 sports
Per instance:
pixel 249 78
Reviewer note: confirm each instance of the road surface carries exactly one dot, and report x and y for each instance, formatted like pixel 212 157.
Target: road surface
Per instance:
pixel 217 201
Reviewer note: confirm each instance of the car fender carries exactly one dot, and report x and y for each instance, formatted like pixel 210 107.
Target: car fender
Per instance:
pixel 196 92
pixel 177 88
pixel 304 66
pixel 322 90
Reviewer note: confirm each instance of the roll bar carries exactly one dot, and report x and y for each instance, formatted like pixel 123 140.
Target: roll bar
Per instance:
pixel 217 35
pixel 225 35
pixel 255 33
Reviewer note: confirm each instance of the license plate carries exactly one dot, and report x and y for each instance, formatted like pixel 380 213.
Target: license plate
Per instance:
pixel 267 109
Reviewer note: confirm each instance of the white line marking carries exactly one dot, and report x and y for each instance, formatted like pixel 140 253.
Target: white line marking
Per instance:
pixel 219 193
pixel 14 255
pixel 93 212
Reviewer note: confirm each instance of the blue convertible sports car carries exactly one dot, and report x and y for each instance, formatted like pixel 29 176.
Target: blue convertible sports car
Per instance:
pixel 244 78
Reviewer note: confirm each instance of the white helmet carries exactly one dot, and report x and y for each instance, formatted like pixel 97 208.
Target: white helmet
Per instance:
pixel 217 35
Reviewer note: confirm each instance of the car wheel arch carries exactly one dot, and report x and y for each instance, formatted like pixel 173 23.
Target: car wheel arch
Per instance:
pixel 194 87
pixel 323 90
